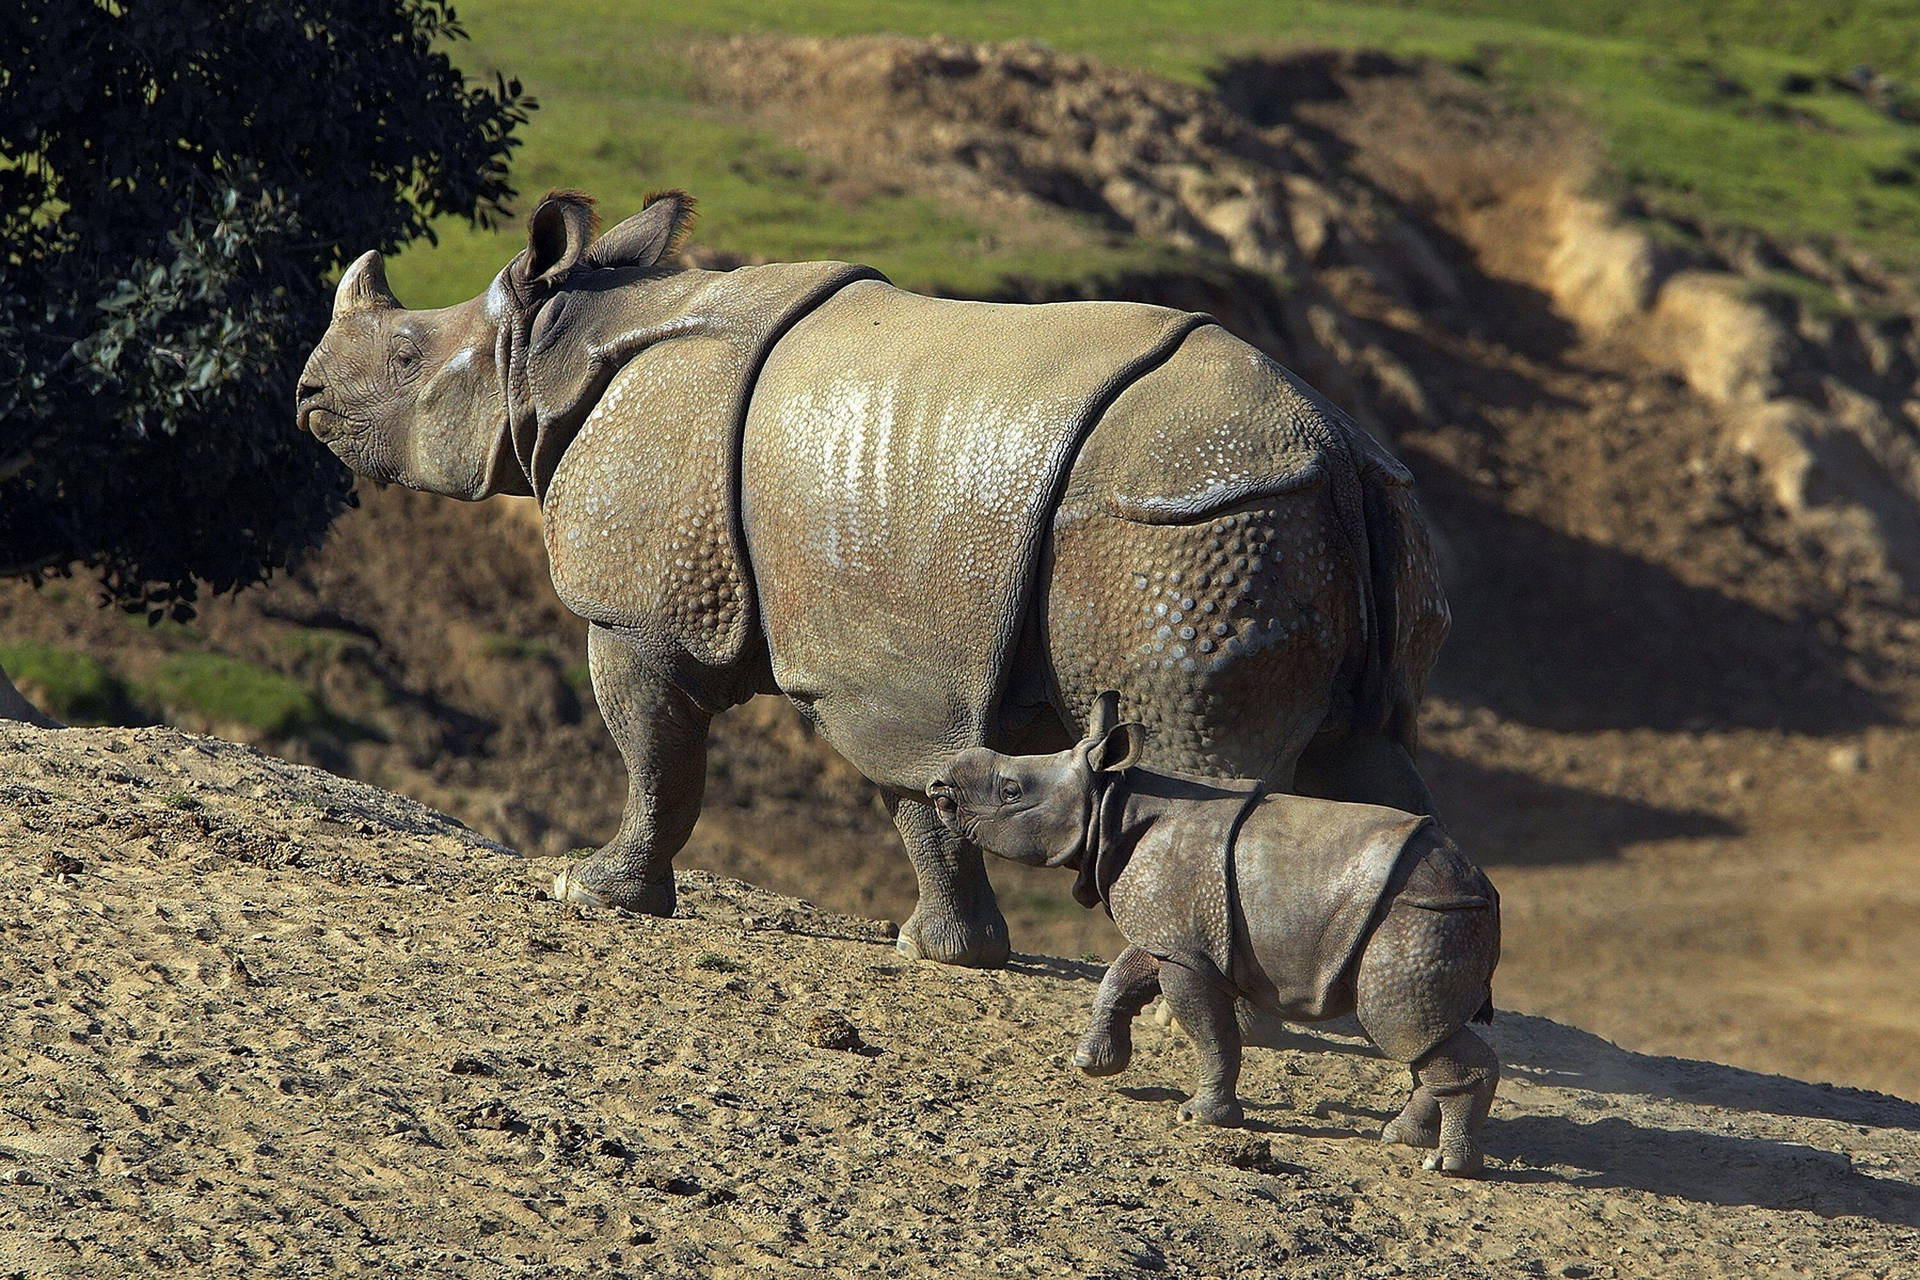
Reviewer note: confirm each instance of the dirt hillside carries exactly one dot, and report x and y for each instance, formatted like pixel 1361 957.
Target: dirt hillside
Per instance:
pixel 1672 470
pixel 263 1021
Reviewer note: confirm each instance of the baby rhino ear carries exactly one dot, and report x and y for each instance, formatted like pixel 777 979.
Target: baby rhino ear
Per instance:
pixel 1119 748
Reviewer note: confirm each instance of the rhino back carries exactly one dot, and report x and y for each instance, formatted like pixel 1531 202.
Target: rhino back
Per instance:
pixel 900 465
pixel 1308 878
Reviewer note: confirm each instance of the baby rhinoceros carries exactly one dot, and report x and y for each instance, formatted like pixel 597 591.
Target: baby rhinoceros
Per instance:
pixel 1308 909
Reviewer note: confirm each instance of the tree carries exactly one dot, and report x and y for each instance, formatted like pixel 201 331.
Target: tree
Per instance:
pixel 178 180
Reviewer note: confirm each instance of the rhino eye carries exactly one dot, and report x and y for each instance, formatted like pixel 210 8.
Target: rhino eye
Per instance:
pixel 1009 792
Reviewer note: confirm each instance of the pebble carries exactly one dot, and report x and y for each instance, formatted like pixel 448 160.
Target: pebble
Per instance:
pixel 1847 758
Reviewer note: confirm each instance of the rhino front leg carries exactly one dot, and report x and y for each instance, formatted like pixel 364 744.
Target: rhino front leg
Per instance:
pixel 956 920
pixel 662 735
pixel 1203 1003
pixel 1132 980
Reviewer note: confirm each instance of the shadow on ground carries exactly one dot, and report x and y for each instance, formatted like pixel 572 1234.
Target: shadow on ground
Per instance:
pixel 1555 631
pixel 1508 818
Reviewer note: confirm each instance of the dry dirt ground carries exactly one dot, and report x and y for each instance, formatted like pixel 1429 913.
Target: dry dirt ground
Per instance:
pixel 261 1020
pixel 277 1021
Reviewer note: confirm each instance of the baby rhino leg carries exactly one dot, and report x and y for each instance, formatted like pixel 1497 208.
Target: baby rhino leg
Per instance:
pixel 1132 981
pixel 1460 1073
pixel 1418 1124
pixel 1203 1003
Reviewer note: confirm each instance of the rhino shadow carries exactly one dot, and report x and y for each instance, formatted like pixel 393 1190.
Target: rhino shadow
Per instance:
pixel 1707 1168
pixel 1558 632
pixel 1551 1053
pixel 1509 818
pixel 1688 1162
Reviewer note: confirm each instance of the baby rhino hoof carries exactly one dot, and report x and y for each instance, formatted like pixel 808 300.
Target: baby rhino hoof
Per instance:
pixel 1224 1115
pixel 1461 1160
pixel 1104 1054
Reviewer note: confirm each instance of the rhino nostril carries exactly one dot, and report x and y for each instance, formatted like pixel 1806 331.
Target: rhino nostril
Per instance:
pixel 309 391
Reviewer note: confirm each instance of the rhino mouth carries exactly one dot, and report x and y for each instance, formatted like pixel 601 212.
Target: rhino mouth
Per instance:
pixel 324 424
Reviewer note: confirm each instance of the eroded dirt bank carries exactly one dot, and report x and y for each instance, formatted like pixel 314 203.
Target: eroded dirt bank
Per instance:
pixel 259 1020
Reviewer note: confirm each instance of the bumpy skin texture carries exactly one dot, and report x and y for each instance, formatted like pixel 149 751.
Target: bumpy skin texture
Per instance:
pixel 930 524
pixel 1307 909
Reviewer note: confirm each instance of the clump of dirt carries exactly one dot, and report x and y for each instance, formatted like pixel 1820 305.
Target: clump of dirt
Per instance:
pixel 279 1023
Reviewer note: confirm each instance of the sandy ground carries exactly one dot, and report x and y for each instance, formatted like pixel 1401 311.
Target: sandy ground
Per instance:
pixel 259 1020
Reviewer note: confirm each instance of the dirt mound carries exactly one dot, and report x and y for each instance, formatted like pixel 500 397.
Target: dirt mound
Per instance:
pixel 264 1021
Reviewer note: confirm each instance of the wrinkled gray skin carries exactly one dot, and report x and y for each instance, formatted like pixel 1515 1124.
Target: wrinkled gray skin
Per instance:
pixel 1306 909
pixel 930 524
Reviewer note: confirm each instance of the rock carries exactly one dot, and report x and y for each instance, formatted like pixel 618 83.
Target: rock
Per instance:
pixel 828 1029
pixel 1255 1155
pixel 1727 347
pixel 1600 271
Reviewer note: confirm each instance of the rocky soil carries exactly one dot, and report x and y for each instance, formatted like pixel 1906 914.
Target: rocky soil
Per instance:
pixel 263 1021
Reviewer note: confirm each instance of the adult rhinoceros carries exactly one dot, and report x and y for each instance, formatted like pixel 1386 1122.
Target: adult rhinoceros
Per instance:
pixel 930 524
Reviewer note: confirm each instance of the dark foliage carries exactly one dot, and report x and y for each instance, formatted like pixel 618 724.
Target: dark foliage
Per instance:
pixel 177 180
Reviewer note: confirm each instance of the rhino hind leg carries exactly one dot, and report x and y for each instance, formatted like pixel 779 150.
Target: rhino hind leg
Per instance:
pixel 1418 1124
pixel 1131 982
pixel 1461 1073
pixel 957 921
pixel 1226 636
pixel 662 736
pixel 1422 974
pixel 1363 767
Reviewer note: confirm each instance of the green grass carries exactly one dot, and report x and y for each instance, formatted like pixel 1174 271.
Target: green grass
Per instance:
pixel 228 690
pixel 505 646
pixel 71 686
pixel 1688 98
pixel 317 644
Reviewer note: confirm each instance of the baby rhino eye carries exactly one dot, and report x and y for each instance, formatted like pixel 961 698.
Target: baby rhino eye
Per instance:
pixel 1009 792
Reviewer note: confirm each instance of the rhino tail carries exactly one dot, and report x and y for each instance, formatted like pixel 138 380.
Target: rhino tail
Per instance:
pixel 1408 618
pixel 1485 1013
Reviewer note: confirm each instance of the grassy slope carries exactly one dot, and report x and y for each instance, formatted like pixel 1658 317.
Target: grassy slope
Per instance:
pixel 1693 108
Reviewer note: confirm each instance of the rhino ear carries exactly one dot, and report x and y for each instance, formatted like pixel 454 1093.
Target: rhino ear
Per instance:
pixel 1119 748
pixel 1105 714
pixel 557 235
pixel 648 236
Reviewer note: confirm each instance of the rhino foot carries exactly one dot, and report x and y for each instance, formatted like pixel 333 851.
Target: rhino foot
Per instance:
pixel 1418 1124
pixel 647 897
pixel 1104 1053
pixel 1213 1111
pixel 979 943
pixel 1410 1133
pixel 1457 1159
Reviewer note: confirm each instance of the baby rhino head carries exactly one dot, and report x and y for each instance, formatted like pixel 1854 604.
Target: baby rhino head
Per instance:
pixel 1033 809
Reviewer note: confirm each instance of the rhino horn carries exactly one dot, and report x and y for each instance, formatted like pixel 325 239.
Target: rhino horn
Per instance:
pixel 364 288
